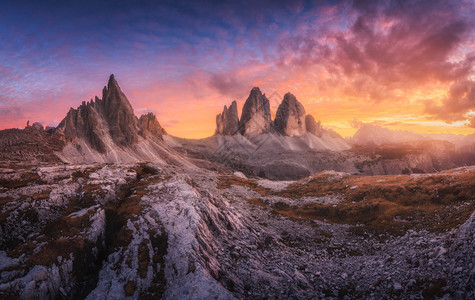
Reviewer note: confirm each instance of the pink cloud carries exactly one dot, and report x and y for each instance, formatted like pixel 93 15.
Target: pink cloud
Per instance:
pixel 460 100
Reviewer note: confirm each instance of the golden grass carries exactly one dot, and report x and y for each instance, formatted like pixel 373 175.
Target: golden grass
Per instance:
pixel 63 237
pixel 41 195
pixel 256 201
pixel 384 204
pixel 24 180
pixel 62 246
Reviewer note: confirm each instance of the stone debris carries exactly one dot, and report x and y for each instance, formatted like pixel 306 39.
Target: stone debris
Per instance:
pixel 144 230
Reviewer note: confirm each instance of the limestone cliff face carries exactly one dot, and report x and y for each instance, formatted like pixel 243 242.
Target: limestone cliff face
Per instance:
pixel 149 126
pixel 227 122
pixel 313 127
pixel 290 117
pixel 111 119
pixel 255 117
pixel 85 122
pixel 119 114
pixel 32 144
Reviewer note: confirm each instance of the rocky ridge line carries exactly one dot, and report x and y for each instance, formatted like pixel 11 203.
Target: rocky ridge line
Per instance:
pixel 291 118
pixel 111 118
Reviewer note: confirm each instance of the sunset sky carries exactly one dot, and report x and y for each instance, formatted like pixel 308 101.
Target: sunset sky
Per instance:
pixel 406 65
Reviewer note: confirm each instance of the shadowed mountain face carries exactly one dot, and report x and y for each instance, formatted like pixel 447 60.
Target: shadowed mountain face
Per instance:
pixel 227 122
pixel 119 114
pixel 290 117
pixel 255 117
pixel 292 146
pixel 109 120
pixel 149 126
pixel 312 126
pixel 84 122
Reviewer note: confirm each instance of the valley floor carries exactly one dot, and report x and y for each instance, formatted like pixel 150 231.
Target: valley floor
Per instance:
pixel 105 231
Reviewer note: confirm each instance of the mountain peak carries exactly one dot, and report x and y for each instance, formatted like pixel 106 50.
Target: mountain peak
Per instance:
pixel 255 117
pixel 312 126
pixel 256 92
pixel 109 118
pixel 112 83
pixel 227 122
pixel 149 125
pixel 290 116
pixel 120 114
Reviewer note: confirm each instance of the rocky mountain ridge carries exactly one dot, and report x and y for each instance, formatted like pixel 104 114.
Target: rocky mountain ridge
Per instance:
pixel 374 135
pixel 111 118
pixel 32 144
pixel 227 122
pixel 291 118
pixel 292 146
pixel 255 117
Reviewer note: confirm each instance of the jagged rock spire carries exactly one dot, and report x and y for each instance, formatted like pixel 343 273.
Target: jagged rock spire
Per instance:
pixel 227 122
pixel 290 116
pixel 312 126
pixel 255 117
pixel 120 114
pixel 149 125
pixel 290 120
pixel 109 118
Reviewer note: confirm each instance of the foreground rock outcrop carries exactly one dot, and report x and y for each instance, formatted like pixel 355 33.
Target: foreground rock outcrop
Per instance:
pixel 151 231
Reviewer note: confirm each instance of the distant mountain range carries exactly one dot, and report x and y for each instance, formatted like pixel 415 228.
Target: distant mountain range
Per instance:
pixel 293 145
pixel 373 135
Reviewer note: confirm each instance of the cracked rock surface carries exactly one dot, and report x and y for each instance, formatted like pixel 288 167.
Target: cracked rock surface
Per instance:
pixel 159 231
